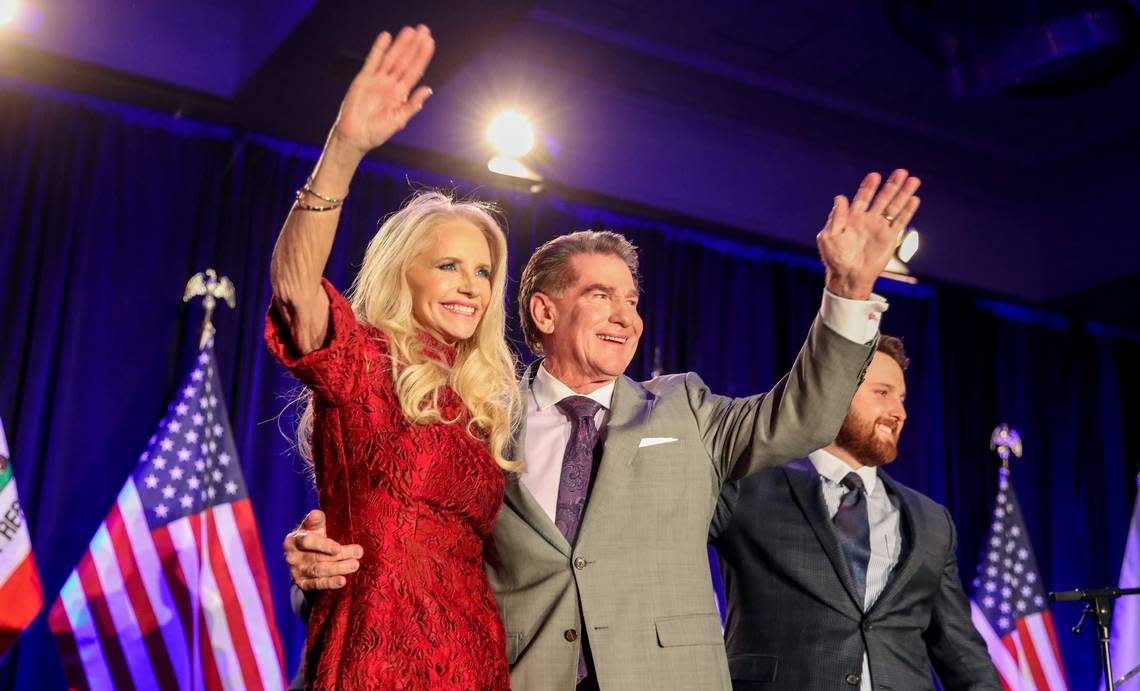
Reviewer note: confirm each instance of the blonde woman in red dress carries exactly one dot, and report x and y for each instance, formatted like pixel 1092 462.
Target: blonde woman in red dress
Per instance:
pixel 411 386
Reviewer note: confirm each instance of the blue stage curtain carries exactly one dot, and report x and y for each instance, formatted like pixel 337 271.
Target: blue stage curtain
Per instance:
pixel 108 209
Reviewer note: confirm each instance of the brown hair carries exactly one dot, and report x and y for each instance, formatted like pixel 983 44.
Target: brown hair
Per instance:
pixel 893 346
pixel 549 270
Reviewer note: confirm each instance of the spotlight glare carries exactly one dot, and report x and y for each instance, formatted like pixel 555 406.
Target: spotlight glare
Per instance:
pixel 511 134
pixel 909 245
pixel 9 10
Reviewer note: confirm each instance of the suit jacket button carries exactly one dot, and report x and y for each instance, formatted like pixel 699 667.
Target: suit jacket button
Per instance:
pixel 579 563
pixel 867 626
pixel 570 635
pixel 853 679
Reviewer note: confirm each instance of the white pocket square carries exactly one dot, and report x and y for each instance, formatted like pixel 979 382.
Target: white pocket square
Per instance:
pixel 654 441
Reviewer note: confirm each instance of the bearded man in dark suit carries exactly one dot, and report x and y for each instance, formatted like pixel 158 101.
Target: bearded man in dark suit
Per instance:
pixel 839 577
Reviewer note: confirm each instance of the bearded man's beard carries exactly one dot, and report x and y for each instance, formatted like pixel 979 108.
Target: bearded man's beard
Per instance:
pixel 857 437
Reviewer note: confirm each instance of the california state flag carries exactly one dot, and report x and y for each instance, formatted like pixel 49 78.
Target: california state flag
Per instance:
pixel 19 581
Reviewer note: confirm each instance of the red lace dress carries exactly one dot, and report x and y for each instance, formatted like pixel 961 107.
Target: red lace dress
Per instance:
pixel 421 500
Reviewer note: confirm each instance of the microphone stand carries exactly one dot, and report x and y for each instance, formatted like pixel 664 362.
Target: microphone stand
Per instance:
pixel 1099 603
pixel 1128 676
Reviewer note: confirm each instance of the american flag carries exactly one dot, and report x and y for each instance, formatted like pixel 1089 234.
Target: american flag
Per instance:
pixel 172 592
pixel 1009 607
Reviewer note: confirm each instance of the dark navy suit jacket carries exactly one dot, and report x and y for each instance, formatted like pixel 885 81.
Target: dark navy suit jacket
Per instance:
pixel 794 621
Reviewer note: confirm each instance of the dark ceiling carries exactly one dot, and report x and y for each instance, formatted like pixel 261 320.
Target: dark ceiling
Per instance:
pixel 740 112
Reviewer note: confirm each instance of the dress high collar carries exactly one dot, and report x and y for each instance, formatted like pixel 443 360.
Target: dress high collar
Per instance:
pixel 436 349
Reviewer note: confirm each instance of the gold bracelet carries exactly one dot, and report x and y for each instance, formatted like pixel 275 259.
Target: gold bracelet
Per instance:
pixel 331 200
pixel 301 204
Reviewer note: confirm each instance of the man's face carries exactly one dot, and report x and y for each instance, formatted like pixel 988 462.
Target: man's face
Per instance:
pixel 870 433
pixel 592 329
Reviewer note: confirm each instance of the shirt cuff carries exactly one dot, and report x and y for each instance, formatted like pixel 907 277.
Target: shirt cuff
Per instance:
pixel 855 320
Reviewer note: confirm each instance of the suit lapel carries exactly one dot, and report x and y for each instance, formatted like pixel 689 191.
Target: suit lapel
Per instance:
pixel 516 496
pixel 629 411
pixel 908 560
pixel 805 484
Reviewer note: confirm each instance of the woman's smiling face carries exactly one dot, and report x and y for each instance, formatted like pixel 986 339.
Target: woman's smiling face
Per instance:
pixel 450 281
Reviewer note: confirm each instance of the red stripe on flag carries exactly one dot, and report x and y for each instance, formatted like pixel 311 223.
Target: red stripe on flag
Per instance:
pixel 140 601
pixel 176 580
pixel 1047 618
pixel 211 680
pixel 101 615
pixel 60 625
pixel 210 677
pixel 1011 646
pixel 1027 647
pixel 232 605
pixel 247 525
pixel 23 599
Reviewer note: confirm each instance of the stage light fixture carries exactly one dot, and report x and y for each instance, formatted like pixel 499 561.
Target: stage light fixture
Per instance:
pixel 518 153
pixel 511 134
pixel 9 10
pixel 504 165
pixel 908 246
pixel 905 250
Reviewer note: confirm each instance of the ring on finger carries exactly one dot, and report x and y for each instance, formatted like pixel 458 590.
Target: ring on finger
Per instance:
pixel 890 218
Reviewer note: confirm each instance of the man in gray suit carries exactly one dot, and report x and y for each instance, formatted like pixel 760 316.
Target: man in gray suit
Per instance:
pixel 836 575
pixel 598 559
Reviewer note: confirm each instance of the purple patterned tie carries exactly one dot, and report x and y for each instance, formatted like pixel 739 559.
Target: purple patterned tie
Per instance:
pixel 574 483
pixel 577 463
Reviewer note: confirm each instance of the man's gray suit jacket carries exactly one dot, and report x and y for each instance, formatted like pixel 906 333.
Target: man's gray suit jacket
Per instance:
pixel 794 620
pixel 637 581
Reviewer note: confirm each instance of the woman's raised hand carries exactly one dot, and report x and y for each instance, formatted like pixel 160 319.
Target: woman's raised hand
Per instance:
pixel 381 99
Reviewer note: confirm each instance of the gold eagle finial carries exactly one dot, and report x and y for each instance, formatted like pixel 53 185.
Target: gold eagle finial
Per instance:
pixel 1005 440
pixel 210 287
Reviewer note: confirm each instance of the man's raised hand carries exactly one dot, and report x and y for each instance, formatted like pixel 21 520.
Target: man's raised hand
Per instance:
pixel 859 238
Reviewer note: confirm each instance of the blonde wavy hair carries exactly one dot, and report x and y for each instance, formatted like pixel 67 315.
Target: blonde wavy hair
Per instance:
pixel 484 371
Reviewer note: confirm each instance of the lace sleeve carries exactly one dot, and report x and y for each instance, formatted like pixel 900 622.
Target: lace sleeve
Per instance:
pixel 333 372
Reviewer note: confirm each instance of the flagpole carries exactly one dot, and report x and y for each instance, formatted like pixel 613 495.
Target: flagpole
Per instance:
pixel 210 287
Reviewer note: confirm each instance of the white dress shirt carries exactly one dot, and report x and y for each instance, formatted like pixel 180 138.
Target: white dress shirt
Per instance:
pixel 548 432
pixel 548 429
pixel 886 532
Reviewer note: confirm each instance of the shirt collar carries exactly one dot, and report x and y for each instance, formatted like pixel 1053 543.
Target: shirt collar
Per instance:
pixel 548 391
pixel 831 467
